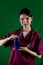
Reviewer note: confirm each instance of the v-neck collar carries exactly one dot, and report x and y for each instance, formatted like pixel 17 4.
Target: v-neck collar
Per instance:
pixel 24 41
pixel 21 34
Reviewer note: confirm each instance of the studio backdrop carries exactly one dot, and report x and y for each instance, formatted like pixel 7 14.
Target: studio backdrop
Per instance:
pixel 9 21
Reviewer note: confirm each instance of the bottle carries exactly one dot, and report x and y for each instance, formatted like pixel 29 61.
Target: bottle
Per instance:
pixel 17 43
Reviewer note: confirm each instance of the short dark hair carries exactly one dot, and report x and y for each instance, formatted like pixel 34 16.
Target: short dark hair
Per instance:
pixel 25 11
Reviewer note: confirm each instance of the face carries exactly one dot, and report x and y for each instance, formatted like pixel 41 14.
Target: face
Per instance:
pixel 25 20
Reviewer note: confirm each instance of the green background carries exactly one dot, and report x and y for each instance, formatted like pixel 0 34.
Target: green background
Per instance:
pixel 9 21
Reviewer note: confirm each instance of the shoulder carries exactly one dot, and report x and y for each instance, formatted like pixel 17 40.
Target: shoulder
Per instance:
pixel 15 31
pixel 37 34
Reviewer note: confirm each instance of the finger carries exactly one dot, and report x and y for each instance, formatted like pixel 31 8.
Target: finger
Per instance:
pixel 20 49
pixel 16 36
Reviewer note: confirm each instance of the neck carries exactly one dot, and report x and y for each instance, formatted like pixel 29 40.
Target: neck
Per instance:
pixel 27 29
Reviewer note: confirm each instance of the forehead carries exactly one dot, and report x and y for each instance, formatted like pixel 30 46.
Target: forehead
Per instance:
pixel 23 16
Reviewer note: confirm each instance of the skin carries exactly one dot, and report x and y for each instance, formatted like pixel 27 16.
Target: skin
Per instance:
pixel 25 22
pixel 3 41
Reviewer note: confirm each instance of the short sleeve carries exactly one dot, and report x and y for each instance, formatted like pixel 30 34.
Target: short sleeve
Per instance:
pixel 38 48
pixel 8 43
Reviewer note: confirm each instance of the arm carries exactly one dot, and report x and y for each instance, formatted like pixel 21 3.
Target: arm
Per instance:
pixel 3 41
pixel 30 52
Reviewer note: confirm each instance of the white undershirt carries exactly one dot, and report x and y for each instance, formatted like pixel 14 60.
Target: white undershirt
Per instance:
pixel 24 34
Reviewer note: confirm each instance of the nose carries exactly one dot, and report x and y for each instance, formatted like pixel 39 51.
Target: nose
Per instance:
pixel 25 20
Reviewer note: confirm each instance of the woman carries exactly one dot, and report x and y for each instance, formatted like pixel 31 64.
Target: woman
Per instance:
pixel 30 41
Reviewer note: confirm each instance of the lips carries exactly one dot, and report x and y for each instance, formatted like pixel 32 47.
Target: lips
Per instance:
pixel 25 24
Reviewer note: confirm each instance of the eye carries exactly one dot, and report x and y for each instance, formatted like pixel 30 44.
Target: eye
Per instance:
pixel 22 19
pixel 27 18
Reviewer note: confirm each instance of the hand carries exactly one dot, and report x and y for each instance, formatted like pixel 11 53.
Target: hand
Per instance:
pixel 13 37
pixel 23 49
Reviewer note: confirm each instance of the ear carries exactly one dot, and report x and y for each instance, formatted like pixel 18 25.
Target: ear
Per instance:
pixel 31 18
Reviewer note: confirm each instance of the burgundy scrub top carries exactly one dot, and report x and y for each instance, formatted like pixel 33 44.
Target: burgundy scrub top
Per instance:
pixel 18 57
